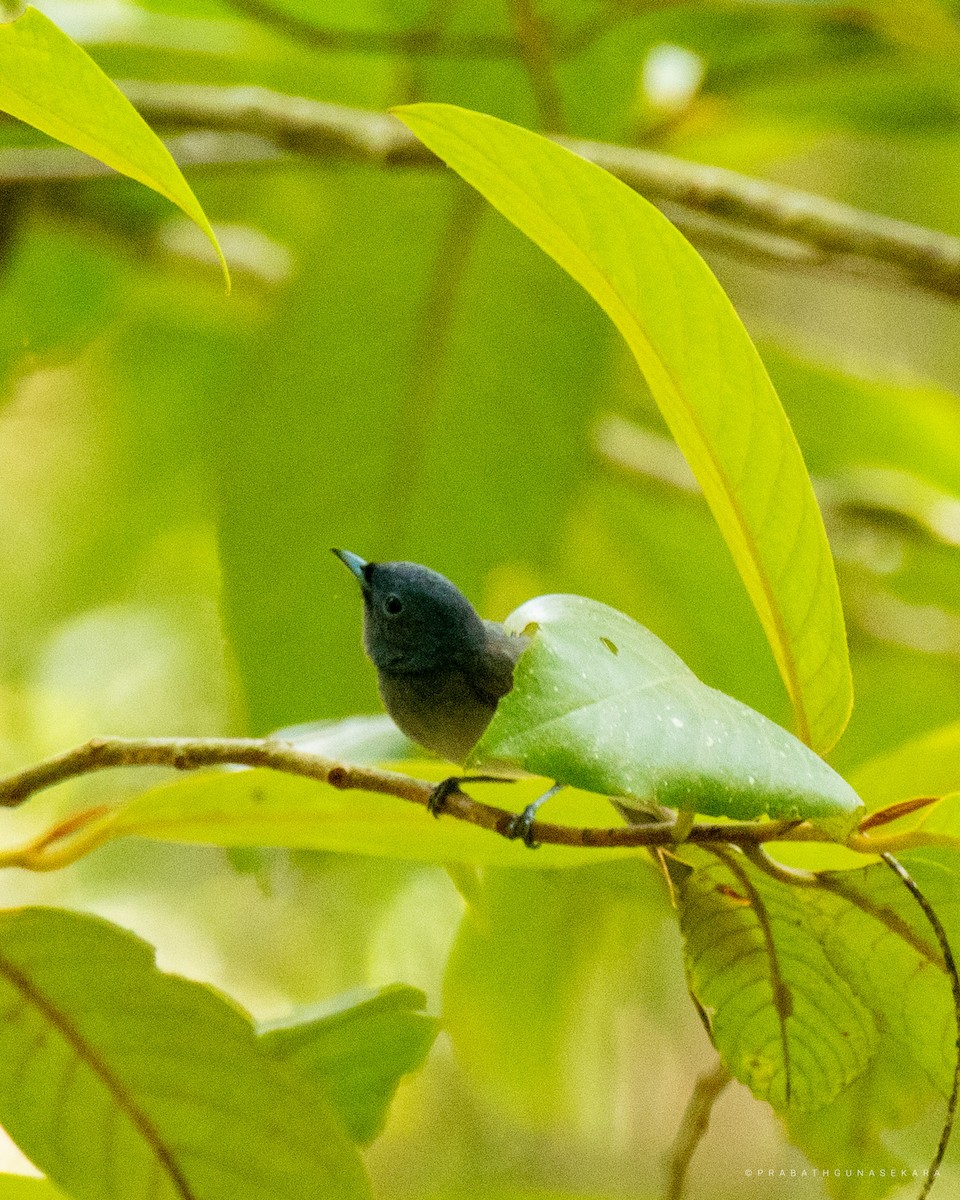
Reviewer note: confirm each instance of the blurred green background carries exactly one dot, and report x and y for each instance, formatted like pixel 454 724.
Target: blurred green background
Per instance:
pixel 399 372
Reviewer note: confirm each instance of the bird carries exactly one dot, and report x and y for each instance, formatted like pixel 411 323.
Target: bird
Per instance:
pixel 441 668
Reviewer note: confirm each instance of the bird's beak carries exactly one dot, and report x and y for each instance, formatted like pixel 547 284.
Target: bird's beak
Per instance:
pixel 354 564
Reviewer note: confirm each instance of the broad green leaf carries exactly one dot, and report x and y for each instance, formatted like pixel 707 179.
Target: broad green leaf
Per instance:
pixel 875 936
pixel 925 766
pixel 785 1022
pixel 599 702
pixel 119 1081
pixel 267 808
pixel 358 1052
pixel 892 1094
pixel 702 369
pixel 49 82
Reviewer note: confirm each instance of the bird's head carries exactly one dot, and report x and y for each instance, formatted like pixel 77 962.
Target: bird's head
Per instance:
pixel 414 620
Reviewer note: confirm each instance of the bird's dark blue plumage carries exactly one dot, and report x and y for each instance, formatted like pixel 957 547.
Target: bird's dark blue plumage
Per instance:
pixel 441 669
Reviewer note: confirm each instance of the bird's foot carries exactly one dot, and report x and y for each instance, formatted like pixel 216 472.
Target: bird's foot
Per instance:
pixel 521 826
pixel 446 788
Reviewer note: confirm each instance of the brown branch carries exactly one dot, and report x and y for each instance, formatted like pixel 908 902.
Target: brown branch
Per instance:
pixel 693 1127
pixel 187 754
pixel 759 221
pixel 789 227
pixel 29 165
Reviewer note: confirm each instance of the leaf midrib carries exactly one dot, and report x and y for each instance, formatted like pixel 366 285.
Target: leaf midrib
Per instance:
pixel 89 1056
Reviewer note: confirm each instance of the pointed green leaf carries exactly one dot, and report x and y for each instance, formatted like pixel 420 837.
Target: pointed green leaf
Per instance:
pixel 120 1081
pixel 358 1052
pixel 599 702
pixel 49 82
pixel 703 371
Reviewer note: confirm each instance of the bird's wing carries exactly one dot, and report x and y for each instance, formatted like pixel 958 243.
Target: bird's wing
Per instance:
pixel 494 676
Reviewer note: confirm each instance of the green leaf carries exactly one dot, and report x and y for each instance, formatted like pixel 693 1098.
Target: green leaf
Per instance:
pixel 357 1053
pixel 785 1022
pixel 891 1094
pixel 844 982
pixel 49 82
pixel 703 371
pixel 268 808
pixel 875 936
pixel 120 1081
pixel 599 702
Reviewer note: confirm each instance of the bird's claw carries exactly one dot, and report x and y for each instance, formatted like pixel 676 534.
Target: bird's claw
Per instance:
pixel 446 788
pixel 441 794
pixel 521 826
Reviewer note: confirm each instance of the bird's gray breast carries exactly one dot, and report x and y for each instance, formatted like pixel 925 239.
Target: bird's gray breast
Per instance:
pixel 440 710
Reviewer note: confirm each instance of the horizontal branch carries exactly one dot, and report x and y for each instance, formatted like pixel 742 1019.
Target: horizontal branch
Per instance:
pixel 756 220
pixel 187 754
pixel 752 216
pixel 25 165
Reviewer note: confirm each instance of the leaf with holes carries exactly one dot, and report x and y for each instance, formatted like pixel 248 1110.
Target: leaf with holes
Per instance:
pixel 49 82
pixel 119 1081
pixel 358 1052
pixel 599 702
pixel 702 370
pixel 785 1021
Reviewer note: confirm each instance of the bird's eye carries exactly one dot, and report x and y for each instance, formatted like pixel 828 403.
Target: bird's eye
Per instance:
pixel 393 605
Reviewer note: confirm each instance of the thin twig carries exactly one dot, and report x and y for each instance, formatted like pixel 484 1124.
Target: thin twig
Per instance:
pixel 800 228
pixel 431 344
pixel 428 41
pixel 188 754
pixel 696 1119
pixel 944 942
pixel 757 220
